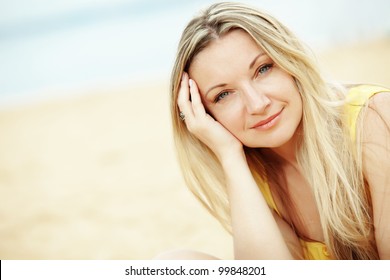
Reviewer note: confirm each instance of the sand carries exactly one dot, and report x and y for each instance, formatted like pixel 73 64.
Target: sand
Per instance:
pixel 95 176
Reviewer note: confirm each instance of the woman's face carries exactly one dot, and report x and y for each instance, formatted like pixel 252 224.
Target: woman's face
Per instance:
pixel 243 89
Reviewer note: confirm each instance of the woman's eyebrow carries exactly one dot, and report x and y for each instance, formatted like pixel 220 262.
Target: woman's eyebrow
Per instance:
pixel 213 87
pixel 255 59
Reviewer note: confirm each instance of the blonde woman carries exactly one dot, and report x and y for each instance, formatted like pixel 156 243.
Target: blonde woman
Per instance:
pixel 294 168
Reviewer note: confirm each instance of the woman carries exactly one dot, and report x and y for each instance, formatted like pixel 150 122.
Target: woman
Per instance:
pixel 293 167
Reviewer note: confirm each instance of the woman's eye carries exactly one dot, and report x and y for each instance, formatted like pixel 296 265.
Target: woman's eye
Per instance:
pixel 221 96
pixel 265 68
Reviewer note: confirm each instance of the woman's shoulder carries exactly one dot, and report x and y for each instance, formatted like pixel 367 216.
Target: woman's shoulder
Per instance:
pixel 359 94
pixel 377 115
pixel 376 165
pixel 380 102
pixel 377 99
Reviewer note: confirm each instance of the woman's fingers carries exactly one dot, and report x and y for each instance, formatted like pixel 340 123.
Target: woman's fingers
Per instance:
pixel 197 105
pixel 189 102
pixel 183 99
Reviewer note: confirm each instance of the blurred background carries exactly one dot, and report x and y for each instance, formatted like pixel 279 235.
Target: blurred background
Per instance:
pixel 87 162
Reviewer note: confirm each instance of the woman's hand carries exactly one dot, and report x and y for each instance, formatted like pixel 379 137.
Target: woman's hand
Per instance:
pixel 202 125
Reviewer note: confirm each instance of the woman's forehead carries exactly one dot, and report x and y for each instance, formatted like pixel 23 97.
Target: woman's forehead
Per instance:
pixel 227 47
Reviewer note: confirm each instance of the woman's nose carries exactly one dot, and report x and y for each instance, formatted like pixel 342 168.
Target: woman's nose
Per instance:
pixel 255 101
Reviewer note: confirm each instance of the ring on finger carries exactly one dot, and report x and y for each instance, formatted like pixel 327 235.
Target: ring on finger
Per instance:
pixel 182 116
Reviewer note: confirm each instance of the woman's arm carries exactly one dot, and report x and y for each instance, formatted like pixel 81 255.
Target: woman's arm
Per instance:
pixel 255 233
pixel 376 167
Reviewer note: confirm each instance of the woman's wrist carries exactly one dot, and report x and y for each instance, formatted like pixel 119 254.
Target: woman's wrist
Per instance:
pixel 231 158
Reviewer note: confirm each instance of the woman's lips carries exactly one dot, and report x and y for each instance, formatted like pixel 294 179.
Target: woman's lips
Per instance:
pixel 268 122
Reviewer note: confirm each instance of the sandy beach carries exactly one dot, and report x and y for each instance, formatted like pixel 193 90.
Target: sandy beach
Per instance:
pixel 95 176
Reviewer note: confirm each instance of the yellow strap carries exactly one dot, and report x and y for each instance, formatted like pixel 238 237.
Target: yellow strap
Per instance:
pixel 356 98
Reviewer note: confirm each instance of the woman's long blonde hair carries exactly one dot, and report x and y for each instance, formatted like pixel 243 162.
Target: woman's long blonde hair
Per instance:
pixel 326 153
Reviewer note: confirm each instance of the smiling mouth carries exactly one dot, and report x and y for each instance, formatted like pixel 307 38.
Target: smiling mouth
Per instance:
pixel 269 122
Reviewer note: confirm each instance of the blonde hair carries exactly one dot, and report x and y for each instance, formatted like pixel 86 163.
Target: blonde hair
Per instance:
pixel 326 153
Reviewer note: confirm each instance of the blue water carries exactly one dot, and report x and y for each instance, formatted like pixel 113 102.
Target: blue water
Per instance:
pixel 59 46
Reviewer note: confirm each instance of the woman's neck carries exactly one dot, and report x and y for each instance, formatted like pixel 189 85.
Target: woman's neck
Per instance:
pixel 288 152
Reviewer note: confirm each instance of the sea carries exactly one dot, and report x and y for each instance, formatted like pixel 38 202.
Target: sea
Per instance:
pixel 51 49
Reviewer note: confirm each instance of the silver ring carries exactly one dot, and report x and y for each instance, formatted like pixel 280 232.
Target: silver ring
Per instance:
pixel 181 116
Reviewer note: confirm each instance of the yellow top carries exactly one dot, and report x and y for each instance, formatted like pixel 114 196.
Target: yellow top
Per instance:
pixel 357 96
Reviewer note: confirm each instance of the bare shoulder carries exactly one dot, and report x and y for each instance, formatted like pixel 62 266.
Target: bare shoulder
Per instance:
pixel 376 166
pixel 376 132
pixel 380 102
pixel 377 116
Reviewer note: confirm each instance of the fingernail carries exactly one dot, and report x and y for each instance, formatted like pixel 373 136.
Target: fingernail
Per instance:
pixel 191 83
